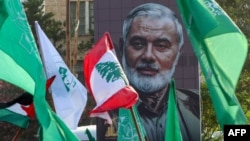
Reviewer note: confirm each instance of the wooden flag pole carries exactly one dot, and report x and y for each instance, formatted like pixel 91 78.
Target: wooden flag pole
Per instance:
pixel 68 51
pixel 136 125
pixel 77 21
pixel 17 134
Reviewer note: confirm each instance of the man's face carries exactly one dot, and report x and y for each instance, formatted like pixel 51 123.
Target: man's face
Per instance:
pixel 150 54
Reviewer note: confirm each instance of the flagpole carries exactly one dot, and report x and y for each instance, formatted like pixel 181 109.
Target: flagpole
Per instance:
pixel 68 52
pixel 76 37
pixel 17 134
pixel 136 125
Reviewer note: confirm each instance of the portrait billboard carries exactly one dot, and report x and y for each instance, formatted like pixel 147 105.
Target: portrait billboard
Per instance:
pixel 157 58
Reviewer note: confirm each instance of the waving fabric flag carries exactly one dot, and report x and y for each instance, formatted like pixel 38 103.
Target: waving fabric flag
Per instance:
pixel 106 81
pixel 221 49
pixel 18 111
pixel 21 66
pixel 69 95
pixel 173 131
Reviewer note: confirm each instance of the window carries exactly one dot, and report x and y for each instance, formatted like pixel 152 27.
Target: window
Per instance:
pixel 86 16
pixel 91 15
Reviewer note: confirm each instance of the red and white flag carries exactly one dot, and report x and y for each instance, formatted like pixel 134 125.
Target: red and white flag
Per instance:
pixel 106 80
pixel 68 93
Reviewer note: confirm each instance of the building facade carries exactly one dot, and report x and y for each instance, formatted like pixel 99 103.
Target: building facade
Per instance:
pixel 58 7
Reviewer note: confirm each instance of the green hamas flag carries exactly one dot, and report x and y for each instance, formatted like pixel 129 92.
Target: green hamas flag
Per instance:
pixel 221 49
pixel 173 131
pixel 21 66
pixel 127 126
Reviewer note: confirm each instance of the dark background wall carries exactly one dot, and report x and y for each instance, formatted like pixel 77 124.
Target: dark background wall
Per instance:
pixel 108 17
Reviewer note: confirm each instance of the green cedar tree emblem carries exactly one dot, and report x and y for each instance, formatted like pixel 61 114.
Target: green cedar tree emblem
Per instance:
pixel 111 71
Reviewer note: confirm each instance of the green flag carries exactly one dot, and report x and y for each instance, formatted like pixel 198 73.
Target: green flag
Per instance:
pixel 221 49
pixel 127 126
pixel 173 131
pixel 21 66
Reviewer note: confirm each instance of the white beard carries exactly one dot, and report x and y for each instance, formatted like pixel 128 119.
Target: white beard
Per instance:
pixel 148 84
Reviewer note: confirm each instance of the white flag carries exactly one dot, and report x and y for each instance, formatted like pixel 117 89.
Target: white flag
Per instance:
pixel 69 95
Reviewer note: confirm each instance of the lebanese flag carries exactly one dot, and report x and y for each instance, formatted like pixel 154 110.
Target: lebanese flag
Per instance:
pixel 106 80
